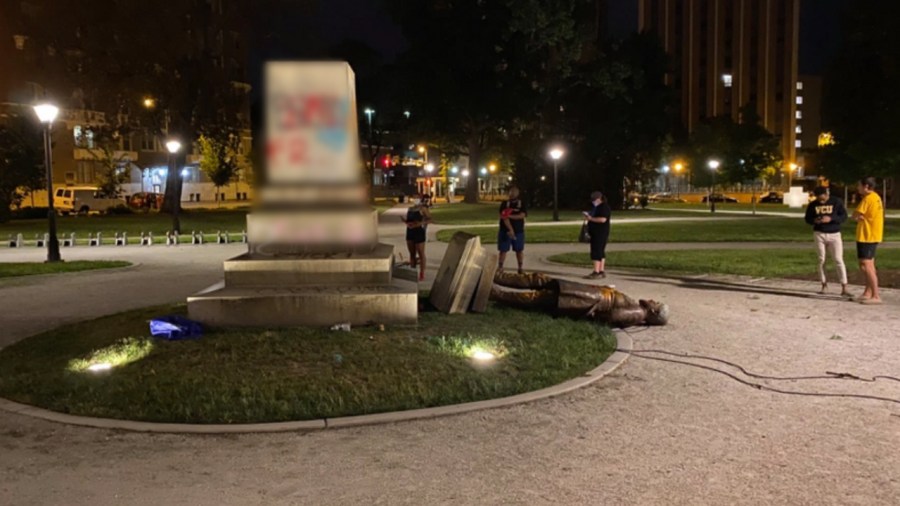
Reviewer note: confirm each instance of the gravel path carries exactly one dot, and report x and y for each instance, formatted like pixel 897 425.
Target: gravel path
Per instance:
pixel 652 433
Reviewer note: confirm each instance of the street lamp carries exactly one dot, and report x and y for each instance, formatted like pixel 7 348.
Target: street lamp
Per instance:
pixel 407 114
pixel 149 103
pixel 678 168
pixel 369 112
pixel 47 113
pixel 492 167
pixel 665 170
pixel 714 167
pixel 429 168
pixel 556 154
pixel 791 168
pixel 173 146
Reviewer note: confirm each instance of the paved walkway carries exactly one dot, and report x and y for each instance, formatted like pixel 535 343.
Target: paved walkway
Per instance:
pixel 655 432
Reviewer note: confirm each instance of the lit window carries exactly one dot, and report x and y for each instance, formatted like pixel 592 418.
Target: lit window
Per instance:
pixel 20 40
pixel 799 85
pixel 799 100
pixel 727 80
pixel 799 114
pixel 799 129
pixel 798 143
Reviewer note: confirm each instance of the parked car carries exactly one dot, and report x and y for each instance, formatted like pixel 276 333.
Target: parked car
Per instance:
pixel 772 198
pixel 665 198
pixel 145 200
pixel 83 200
pixel 719 198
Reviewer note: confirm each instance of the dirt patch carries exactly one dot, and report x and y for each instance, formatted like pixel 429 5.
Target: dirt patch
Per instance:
pixel 887 278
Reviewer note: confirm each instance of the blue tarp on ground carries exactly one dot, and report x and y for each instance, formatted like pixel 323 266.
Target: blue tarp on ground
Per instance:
pixel 175 327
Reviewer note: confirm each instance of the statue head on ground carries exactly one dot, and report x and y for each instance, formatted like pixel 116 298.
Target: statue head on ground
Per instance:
pixel 657 312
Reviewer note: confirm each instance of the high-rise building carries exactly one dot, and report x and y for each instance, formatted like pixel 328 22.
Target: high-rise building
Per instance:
pixel 731 53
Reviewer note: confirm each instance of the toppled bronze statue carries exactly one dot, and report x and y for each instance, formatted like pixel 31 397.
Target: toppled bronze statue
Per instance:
pixel 602 304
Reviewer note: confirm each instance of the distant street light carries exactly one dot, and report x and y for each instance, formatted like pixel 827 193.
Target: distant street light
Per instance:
pixel 556 154
pixel 47 114
pixel 173 146
pixel 369 112
pixel 407 114
pixel 149 102
pixel 665 170
pixel 714 167
pixel 678 168
pixel 492 167
pixel 791 168
pixel 454 169
pixel 484 171
pixel 465 173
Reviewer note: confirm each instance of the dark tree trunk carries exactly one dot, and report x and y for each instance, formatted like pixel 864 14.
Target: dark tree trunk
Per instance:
pixel 474 164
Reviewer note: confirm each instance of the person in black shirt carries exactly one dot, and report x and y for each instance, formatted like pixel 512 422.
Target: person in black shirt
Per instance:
pixel 512 228
pixel 826 214
pixel 417 217
pixel 598 227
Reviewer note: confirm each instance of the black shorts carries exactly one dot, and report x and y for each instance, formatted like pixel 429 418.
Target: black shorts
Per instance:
pixel 416 235
pixel 866 250
pixel 598 248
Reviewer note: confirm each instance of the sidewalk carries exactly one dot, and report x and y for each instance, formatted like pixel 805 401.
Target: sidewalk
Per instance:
pixel 663 429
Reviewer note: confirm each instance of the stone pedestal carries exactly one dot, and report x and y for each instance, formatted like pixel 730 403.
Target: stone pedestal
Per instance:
pixel 313 257
pixel 308 290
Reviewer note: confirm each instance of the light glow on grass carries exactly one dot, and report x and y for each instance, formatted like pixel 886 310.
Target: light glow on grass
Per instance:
pixel 479 349
pixel 122 352
pixel 482 355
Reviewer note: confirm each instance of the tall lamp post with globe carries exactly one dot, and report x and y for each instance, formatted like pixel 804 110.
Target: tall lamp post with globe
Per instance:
pixel 714 167
pixel 556 154
pixel 173 146
pixel 47 114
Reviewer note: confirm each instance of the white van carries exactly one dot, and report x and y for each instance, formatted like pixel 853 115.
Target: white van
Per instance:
pixel 82 200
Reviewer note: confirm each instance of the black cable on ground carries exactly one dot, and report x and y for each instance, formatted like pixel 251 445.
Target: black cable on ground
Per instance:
pixel 647 354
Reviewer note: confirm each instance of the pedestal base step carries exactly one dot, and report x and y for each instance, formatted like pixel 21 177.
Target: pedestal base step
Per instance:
pixel 371 268
pixel 317 306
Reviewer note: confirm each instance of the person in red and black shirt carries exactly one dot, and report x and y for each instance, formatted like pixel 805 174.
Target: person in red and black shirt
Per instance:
pixel 512 228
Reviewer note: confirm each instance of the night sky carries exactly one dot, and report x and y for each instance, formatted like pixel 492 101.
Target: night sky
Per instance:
pixel 363 20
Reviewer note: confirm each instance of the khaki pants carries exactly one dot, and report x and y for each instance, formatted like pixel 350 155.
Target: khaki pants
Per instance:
pixel 834 245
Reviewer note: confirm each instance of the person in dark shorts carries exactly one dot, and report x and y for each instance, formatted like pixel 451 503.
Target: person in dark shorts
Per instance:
pixel 417 217
pixel 598 219
pixel 869 217
pixel 512 228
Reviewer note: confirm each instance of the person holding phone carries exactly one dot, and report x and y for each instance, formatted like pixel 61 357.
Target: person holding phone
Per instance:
pixel 512 229
pixel 416 219
pixel 598 219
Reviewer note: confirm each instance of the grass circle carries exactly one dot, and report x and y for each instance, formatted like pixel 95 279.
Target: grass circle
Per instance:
pixel 111 368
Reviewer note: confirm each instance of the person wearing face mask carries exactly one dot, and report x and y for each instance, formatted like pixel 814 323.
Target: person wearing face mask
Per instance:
pixel 826 214
pixel 598 219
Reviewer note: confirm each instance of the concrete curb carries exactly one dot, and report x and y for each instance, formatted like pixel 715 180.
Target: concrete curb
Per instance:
pixel 624 347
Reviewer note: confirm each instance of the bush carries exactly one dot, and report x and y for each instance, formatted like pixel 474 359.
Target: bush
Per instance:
pixel 120 209
pixel 30 213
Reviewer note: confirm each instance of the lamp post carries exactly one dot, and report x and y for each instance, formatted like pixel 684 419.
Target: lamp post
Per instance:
pixel 678 168
pixel 665 171
pixel 47 113
pixel 429 168
pixel 791 168
pixel 714 167
pixel 369 112
pixel 556 154
pixel 174 147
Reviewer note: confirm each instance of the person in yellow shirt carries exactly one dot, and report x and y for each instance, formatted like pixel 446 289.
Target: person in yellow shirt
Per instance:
pixel 869 216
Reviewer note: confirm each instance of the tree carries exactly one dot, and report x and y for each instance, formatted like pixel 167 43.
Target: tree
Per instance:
pixel 103 143
pixel 618 117
pixel 861 104
pixel 745 150
pixel 220 160
pixel 476 67
pixel 21 161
